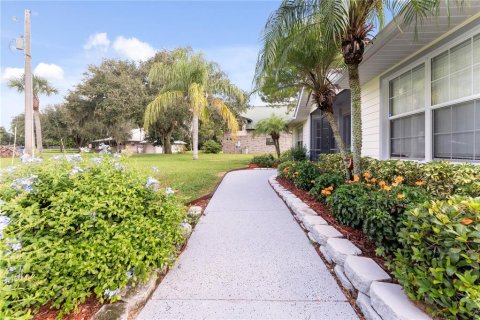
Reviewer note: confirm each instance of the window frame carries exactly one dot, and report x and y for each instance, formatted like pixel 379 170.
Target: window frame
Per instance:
pixel 426 59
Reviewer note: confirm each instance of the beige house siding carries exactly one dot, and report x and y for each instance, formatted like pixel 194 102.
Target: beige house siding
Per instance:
pixel 254 144
pixel 371 118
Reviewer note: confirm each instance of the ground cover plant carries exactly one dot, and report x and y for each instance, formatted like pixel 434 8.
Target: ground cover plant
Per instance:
pixel 74 227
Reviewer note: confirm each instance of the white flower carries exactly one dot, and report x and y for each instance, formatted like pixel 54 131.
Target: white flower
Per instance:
pixel 117 155
pixel 152 182
pixel 169 191
pixel 97 160
pixel 15 245
pixel 130 273
pixel 155 169
pixel 4 222
pixel 111 293
pixel 76 170
pixel 73 157
pixel 119 166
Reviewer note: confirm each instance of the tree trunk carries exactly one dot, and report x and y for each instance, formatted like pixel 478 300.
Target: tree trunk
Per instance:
pixel 38 125
pixel 354 82
pixel 195 136
pixel 338 140
pixel 276 143
pixel 167 145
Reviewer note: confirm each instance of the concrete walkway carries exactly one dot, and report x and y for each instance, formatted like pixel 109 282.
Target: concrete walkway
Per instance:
pixel 248 259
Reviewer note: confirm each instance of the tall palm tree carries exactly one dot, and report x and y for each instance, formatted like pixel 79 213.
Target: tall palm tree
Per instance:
pixel 350 23
pixel 305 63
pixel 200 84
pixel 40 86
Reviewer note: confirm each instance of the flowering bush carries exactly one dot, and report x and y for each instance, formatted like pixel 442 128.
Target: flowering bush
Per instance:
pixel 325 185
pixel 439 258
pixel 72 227
pixel 301 173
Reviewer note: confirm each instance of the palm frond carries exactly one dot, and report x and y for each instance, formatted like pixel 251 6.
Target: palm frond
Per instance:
pixel 227 115
pixel 163 101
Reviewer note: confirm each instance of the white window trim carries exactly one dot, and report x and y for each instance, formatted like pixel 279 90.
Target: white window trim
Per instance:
pixel 385 118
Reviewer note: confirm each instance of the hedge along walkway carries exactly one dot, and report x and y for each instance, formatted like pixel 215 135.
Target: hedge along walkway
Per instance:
pixel 248 259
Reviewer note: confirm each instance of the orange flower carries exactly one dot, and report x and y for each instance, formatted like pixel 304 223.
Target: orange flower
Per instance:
pixel 285 170
pixel 381 183
pixel 400 196
pixel 419 183
pixel 373 180
pixel 394 184
pixel 466 221
pixel 356 178
pixel 326 192
pixel 293 164
pixel 330 188
pixel 387 188
pixel 368 185
pixel 399 179
pixel 366 175
pixel 296 172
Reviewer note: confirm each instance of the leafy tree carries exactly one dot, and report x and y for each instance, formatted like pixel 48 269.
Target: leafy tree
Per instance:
pixel 302 63
pixel 5 136
pixel 57 126
pixel 18 122
pixel 193 80
pixel 272 126
pixel 40 86
pixel 349 23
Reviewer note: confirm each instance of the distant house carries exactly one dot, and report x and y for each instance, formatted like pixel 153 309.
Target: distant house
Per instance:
pixel 137 143
pixel 247 142
pixel 420 96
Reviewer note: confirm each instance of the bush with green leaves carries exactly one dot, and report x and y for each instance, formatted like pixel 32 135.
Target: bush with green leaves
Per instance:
pixel 324 181
pixel 331 163
pixel 211 146
pixel 285 169
pixel 439 259
pixel 297 153
pixel 344 201
pixel 264 161
pixel 304 175
pixel 71 228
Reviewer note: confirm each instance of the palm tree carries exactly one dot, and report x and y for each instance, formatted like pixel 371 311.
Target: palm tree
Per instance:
pixel 348 23
pixel 200 84
pixel 305 63
pixel 272 126
pixel 40 86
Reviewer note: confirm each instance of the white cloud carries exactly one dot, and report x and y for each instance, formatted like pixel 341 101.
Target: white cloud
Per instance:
pixel 133 49
pixel 11 73
pixel 98 40
pixel 49 71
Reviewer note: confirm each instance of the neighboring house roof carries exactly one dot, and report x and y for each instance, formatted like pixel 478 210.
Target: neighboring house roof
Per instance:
pixel 255 114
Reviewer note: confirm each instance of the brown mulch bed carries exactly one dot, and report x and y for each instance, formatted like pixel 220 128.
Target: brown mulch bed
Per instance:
pixel 85 311
pixel 354 235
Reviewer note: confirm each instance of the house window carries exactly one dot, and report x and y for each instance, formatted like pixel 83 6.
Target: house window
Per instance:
pixel 457 131
pixel 270 142
pixel 299 137
pixel 407 114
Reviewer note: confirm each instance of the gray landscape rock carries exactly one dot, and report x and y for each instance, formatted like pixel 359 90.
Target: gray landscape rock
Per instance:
pixel 325 254
pixel 195 211
pixel 343 278
pixel 363 303
pixel 363 271
pixel 339 249
pixel 310 236
pixel 310 221
pixel 138 295
pixel 186 228
pixel 114 311
pixel 322 233
pixel 391 303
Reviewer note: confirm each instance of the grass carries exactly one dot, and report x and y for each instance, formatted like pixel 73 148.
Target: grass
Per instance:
pixel 191 179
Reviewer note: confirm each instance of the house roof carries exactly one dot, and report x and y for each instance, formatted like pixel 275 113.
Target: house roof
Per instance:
pixel 396 43
pixel 255 114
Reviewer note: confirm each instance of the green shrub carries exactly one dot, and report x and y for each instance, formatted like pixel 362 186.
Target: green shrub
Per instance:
pixel 324 181
pixel 264 161
pixel 285 169
pixel 439 259
pixel 382 212
pixel 77 228
pixel 211 146
pixel 344 202
pixel 331 163
pixel 298 153
pixel 305 173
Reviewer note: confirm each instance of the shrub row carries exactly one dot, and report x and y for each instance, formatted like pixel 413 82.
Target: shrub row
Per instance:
pixel 424 216
pixel 72 227
pixel 268 161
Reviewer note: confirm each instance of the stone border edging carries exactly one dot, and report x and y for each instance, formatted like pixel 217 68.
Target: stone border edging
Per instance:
pixel 376 297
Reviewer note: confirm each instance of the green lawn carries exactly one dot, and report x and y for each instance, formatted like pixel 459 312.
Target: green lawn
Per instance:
pixel 192 179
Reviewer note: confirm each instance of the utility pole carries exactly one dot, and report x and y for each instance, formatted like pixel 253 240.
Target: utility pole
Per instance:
pixel 29 145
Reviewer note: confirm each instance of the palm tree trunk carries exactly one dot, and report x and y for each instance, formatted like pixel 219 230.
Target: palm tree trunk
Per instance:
pixel 195 136
pixel 338 140
pixel 38 130
pixel 356 91
pixel 167 145
pixel 276 143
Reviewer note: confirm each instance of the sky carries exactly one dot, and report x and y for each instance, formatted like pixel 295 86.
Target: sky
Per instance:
pixel 67 36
